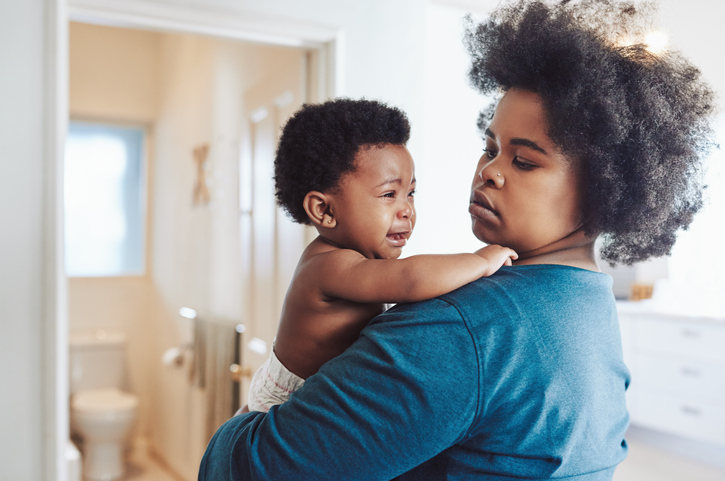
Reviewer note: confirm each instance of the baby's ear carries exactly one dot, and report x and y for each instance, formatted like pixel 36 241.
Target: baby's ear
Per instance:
pixel 317 205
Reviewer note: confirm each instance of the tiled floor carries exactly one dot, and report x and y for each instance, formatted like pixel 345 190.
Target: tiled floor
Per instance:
pixel 646 463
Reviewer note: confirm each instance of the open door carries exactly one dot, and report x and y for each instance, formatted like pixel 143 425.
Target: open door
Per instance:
pixel 271 243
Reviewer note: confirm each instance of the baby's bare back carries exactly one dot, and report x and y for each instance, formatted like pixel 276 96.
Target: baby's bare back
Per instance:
pixel 315 328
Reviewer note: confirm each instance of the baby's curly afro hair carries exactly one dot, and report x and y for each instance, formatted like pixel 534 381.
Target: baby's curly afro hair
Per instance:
pixel 637 124
pixel 319 144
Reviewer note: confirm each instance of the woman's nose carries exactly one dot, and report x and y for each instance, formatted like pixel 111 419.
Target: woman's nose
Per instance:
pixel 490 174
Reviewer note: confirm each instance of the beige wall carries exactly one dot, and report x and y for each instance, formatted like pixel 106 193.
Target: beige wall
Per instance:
pixel 114 73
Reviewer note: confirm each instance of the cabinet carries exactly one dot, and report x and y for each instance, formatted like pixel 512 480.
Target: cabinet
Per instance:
pixel 678 372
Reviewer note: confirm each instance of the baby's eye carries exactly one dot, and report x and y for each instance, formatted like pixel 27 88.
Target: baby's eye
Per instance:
pixel 490 153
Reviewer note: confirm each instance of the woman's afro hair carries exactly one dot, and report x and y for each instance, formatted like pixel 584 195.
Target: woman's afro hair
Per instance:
pixel 319 144
pixel 636 124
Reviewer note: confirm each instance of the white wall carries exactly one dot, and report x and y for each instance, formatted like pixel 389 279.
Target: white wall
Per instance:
pixel 696 270
pixel 27 267
pixel 452 146
pixel 21 127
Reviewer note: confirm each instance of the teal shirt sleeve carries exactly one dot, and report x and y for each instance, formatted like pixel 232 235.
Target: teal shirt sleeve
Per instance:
pixel 407 390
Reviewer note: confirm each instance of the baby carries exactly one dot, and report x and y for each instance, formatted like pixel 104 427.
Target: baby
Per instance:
pixel 342 167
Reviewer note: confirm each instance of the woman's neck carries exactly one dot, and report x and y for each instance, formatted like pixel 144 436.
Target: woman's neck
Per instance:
pixel 576 250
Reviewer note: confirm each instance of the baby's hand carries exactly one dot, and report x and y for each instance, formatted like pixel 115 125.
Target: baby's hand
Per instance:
pixel 496 256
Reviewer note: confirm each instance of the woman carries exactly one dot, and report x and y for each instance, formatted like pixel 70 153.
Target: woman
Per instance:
pixel 518 375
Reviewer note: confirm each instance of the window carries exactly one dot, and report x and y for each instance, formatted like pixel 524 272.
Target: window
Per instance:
pixel 104 200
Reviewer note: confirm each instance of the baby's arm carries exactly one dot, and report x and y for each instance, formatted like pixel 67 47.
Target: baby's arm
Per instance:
pixel 348 275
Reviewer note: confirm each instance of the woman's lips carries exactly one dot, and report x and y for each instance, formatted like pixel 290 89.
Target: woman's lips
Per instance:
pixel 481 208
pixel 398 239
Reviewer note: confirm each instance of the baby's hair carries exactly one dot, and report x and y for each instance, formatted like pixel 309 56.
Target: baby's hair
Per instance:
pixel 319 144
pixel 636 124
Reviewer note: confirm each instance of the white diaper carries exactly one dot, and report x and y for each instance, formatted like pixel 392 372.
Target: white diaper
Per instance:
pixel 272 384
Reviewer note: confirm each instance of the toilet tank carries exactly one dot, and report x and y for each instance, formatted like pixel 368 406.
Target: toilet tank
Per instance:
pixel 97 359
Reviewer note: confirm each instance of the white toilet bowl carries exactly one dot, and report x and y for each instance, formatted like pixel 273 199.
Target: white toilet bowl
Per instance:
pixel 103 419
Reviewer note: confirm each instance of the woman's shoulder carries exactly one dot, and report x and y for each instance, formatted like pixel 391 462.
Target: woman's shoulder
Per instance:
pixel 539 278
pixel 518 290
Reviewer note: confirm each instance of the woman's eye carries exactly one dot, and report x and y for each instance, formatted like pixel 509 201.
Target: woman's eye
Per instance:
pixel 490 153
pixel 389 194
pixel 522 165
pixel 411 193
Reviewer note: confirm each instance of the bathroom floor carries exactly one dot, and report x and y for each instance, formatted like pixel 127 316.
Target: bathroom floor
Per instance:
pixel 142 467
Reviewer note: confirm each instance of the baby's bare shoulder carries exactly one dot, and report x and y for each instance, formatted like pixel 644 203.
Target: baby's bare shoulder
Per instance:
pixel 318 271
pixel 328 261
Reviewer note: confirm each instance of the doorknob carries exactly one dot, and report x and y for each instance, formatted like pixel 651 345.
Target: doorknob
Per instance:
pixel 237 372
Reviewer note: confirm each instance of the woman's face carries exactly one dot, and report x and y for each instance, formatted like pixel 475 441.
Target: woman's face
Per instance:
pixel 525 194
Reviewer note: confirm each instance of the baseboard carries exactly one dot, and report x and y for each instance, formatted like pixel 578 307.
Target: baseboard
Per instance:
pixel 702 452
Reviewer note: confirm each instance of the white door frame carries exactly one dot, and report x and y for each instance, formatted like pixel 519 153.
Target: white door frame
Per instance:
pixel 140 14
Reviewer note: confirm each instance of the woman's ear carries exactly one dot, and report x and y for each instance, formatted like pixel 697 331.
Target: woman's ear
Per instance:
pixel 317 205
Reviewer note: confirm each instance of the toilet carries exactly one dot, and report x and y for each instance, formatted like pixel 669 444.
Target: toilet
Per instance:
pixel 102 414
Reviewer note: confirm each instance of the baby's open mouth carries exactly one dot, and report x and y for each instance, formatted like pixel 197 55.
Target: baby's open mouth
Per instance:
pixel 397 236
pixel 398 239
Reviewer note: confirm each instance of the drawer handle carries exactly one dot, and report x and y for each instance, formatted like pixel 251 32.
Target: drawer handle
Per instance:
pixel 689 410
pixel 690 333
pixel 690 372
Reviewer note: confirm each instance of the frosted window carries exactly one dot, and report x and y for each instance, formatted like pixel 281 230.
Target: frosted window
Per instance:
pixel 104 218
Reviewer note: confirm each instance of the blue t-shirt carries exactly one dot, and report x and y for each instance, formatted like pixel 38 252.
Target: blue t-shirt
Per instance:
pixel 514 376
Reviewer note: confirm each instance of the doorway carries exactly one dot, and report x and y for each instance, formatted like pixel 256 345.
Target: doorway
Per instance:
pixel 230 253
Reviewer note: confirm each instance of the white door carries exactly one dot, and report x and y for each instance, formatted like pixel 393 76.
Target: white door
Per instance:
pixel 271 243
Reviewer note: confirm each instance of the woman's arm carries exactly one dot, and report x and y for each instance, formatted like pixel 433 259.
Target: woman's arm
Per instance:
pixel 345 274
pixel 398 397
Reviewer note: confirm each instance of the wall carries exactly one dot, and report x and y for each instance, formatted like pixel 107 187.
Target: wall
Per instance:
pixel 21 92
pixel 180 253
pixel 114 73
pixel 696 270
pixel 452 144
pixel 30 291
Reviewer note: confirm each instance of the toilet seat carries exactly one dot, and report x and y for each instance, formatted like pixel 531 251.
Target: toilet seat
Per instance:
pixel 97 401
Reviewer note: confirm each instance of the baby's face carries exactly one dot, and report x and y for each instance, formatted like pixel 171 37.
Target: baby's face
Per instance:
pixel 374 205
